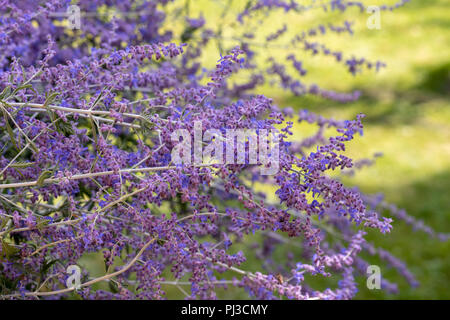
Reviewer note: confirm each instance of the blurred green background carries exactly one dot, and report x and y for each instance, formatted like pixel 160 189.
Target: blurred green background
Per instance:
pixel 408 119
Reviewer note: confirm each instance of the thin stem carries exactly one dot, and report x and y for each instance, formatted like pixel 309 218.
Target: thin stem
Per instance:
pixel 93 174
pixel 89 283
pixel 74 110
pixel 68 222
pixel 48 245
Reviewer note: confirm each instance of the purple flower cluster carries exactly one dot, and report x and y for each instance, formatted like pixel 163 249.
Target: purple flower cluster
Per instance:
pixel 86 166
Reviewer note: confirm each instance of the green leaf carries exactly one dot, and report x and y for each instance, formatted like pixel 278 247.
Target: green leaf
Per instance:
pixel 8 250
pixel 22 165
pixel 44 175
pixel 187 34
pixel 98 98
pixel 50 99
pixel 248 4
pixel 5 93
pixel 113 287
pixel 21 174
pixel 64 128
pixel 46 266
pixel 41 223
pixel 4 223
pixel 10 130
pixel 22 87
pixel 94 131
pixel 6 115
pixel 24 73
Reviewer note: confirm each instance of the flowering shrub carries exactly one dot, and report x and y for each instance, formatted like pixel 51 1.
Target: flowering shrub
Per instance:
pixel 86 155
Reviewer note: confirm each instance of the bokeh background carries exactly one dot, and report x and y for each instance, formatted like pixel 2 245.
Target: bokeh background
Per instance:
pixel 408 119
